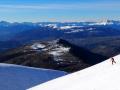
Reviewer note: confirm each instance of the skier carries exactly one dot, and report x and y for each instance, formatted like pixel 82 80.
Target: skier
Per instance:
pixel 113 61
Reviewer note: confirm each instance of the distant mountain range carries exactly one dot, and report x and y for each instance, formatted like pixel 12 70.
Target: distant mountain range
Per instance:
pixel 96 40
pixel 26 32
pixel 65 46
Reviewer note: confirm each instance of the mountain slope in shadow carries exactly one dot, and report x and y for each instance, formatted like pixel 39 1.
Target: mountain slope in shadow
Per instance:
pixel 56 54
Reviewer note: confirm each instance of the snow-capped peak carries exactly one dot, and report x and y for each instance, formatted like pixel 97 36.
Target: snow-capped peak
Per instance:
pixel 52 25
pixel 105 22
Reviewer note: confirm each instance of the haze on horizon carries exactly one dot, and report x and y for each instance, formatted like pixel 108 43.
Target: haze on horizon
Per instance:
pixel 58 10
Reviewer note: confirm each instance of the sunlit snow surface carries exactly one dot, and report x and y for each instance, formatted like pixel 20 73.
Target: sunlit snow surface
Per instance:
pixel 59 51
pixel 103 76
pixel 75 31
pixel 52 48
pixel 69 27
pixel 38 46
pixel 14 77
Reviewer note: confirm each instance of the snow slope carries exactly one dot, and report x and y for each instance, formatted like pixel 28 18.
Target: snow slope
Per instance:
pixel 103 76
pixel 14 77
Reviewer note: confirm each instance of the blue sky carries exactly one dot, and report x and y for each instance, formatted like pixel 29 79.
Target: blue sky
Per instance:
pixel 58 10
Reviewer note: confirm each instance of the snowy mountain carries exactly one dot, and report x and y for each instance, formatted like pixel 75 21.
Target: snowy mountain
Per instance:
pixel 22 32
pixel 56 54
pixel 103 76
pixel 14 77
pixel 70 25
pixel 104 22
pixel 8 30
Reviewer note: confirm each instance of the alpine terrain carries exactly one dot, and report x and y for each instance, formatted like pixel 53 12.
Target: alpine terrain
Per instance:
pixel 102 76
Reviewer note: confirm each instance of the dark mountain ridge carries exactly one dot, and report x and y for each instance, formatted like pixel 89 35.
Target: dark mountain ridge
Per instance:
pixel 55 55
